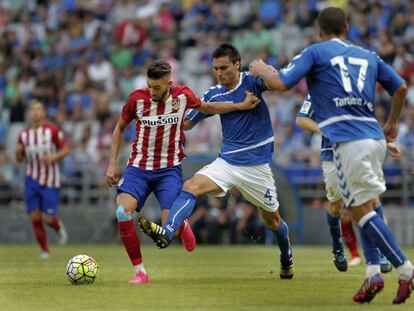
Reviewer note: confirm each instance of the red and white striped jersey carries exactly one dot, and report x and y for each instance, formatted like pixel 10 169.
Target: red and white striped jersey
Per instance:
pixel 37 143
pixel 159 136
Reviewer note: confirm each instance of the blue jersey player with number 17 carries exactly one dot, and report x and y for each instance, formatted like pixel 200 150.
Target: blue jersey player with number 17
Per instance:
pixel 244 159
pixel 341 78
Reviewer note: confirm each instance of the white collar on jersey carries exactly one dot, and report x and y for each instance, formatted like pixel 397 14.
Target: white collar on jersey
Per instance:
pixel 236 87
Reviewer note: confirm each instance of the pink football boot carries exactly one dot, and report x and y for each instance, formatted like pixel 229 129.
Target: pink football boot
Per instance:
pixel 139 277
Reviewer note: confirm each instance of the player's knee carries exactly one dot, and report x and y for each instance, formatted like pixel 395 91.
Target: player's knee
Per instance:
pixel 46 218
pixel 36 215
pixel 192 187
pixel 334 209
pixel 121 214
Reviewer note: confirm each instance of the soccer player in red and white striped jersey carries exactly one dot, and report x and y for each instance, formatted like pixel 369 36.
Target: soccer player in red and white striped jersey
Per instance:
pixel 42 146
pixel 157 152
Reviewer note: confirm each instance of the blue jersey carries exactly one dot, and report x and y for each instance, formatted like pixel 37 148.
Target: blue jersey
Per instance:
pixel 247 135
pixel 307 111
pixel 341 79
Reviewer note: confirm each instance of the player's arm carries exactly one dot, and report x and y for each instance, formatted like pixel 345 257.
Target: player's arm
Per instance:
pixel 392 125
pixel 268 74
pixel 307 124
pixel 249 102
pixel 397 88
pixel 52 158
pixel 286 78
pixel 19 152
pixel 63 149
pixel 117 139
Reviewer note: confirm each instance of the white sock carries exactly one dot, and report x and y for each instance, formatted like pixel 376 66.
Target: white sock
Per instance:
pixel 140 267
pixel 405 271
pixel 371 270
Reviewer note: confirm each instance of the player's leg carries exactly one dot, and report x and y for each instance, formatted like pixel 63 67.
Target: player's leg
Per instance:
pixel 349 237
pixel 363 182
pixel 132 190
pixel 49 208
pixel 333 215
pixel 33 199
pixel 166 187
pixel 257 185
pixel 280 230
pixel 385 265
pixel 213 178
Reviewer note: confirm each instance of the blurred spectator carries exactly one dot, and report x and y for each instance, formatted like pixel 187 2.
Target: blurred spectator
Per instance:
pixel 83 58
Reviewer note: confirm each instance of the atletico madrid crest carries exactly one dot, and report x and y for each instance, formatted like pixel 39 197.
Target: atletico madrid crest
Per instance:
pixel 176 103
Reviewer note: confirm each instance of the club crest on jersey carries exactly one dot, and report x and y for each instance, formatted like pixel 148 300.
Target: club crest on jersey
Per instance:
pixel 305 107
pixel 176 103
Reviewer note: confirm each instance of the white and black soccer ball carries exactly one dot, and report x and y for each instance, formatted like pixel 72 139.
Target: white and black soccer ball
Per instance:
pixel 82 269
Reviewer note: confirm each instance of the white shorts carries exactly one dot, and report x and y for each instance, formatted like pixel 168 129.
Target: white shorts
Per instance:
pixel 255 183
pixel 359 170
pixel 333 192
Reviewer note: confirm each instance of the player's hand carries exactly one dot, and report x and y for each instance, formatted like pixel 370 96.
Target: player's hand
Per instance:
pixel 391 131
pixel 111 176
pixel 48 159
pixel 257 67
pixel 249 102
pixel 187 125
pixel 394 150
pixel 271 69
pixel 19 153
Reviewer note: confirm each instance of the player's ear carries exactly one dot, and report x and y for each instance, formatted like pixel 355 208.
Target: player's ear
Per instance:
pixel 346 30
pixel 170 82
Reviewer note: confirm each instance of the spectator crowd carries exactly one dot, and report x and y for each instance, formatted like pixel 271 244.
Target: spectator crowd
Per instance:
pixel 83 57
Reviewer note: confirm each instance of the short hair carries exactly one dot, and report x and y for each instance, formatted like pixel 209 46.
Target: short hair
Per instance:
pixel 227 49
pixel 35 101
pixel 332 21
pixel 158 69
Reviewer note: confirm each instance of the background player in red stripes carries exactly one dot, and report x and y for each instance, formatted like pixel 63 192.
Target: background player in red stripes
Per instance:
pixel 42 146
pixel 154 164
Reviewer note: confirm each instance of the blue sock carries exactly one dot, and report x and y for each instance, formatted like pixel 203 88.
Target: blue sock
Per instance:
pixel 379 210
pixel 282 236
pixel 371 252
pixel 380 234
pixel 181 209
pixel 335 230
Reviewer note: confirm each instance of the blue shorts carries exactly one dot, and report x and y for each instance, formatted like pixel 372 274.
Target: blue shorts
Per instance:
pixel 37 196
pixel 165 183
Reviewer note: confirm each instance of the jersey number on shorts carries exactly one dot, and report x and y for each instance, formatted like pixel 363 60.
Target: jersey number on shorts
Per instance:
pixel 346 79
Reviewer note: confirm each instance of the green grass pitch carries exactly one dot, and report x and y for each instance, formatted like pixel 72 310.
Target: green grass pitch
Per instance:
pixel 210 278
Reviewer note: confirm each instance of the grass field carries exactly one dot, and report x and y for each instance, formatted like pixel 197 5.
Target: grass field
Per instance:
pixel 211 278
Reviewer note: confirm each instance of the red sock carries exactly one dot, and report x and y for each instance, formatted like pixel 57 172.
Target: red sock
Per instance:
pixel 40 234
pixel 130 239
pixel 349 238
pixel 55 224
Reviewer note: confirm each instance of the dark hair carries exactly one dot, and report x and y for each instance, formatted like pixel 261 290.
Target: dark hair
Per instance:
pixel 332 21
pixel 158 69
pixel 227 49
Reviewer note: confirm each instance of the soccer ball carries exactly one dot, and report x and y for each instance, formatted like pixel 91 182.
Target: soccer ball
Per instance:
pixel 82 269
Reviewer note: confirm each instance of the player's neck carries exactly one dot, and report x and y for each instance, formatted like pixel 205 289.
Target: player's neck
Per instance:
pixel 330 37
pixel 36 125
pixel 165 97
pixel 231 85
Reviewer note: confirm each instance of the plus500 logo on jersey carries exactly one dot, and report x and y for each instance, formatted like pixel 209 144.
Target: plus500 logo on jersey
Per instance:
pixel 173 118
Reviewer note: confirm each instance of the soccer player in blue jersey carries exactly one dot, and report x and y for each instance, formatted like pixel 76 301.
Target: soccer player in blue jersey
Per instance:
pixel 341 79
pixel 305 119
pixel 245 154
